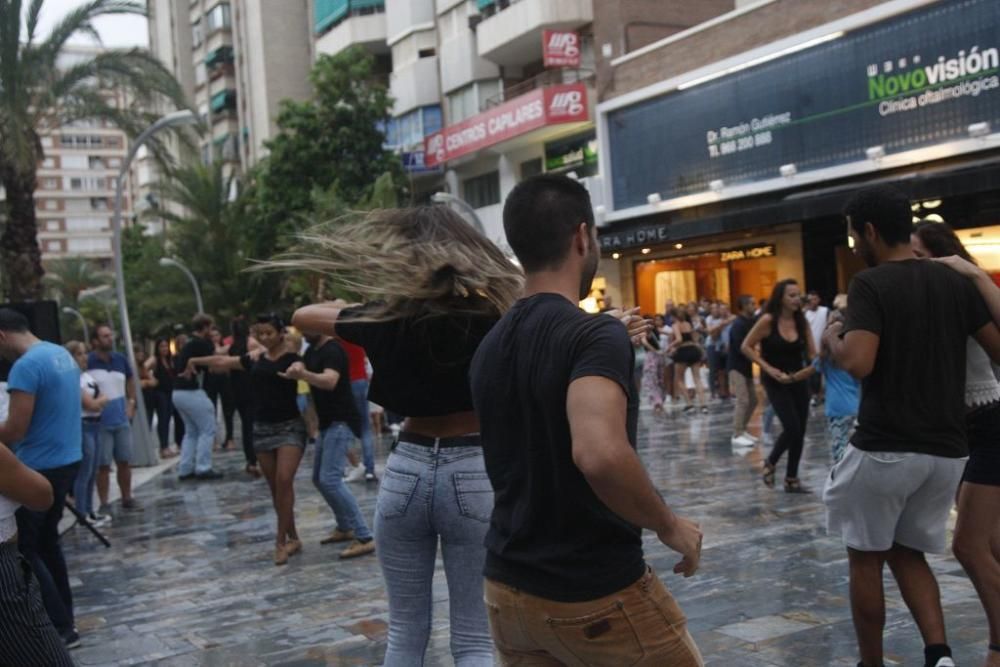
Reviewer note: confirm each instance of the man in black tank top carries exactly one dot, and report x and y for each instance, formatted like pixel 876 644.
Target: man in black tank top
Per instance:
pixel 891 494
pixel 555 394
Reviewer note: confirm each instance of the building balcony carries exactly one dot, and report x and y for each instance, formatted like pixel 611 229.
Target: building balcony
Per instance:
pixel 340 24
pixel 551 77
pixel 511 33
pixel 415 85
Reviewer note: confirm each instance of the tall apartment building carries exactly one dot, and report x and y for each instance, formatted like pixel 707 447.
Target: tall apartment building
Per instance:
pixel 236 61
pixel 76 183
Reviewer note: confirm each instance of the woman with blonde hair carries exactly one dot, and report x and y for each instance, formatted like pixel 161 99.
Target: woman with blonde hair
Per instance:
pixel 434 287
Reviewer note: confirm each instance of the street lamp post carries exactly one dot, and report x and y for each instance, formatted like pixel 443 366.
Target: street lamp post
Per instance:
pixel 448 198
pixel 170 261
pixel 95 293
pixel 83 321
pixel 144 450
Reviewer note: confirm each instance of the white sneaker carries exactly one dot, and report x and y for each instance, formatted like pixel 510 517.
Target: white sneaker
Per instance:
pixel 945 662
pixel 357 474
pixel 750 436
pixel 742 441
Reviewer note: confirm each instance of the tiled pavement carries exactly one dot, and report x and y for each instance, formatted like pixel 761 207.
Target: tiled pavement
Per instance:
pixel 189 581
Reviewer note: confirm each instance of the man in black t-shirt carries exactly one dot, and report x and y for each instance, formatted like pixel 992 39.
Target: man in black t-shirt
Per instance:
pixel 566 581
pixel 740 371
pixel 194 406
pixel 326 371
pixel 890 496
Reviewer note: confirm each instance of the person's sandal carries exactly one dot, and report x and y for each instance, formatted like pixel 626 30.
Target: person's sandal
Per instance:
pixel 793 485
pixel 768 475
pixel 293 547
pixel 280 556
pixel 253 471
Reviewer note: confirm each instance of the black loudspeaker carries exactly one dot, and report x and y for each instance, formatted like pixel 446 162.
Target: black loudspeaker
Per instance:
pixel 43 320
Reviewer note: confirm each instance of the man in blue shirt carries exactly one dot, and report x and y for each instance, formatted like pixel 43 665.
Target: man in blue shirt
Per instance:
pixel 114 377
pixel 44 430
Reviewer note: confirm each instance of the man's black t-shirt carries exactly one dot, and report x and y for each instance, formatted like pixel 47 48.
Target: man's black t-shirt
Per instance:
pixel 923 314
pixel 736 360
pixel 336 405
pixel 274 396
pixel 550 535
pixel 194 348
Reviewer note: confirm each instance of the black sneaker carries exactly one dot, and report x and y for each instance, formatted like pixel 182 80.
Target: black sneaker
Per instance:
pixel 131 504
pixel 210 475
pixel 71 638
pixel 370 477
pixel 186 477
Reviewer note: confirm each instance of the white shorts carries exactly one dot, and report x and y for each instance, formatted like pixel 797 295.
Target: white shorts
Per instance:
pixel 876 499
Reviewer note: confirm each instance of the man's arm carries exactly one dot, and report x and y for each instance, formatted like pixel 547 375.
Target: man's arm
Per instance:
pixel 596 408
pixel 327 380
pixel 22 484
pixel 130 394
pixel 22 407
pixel 855 352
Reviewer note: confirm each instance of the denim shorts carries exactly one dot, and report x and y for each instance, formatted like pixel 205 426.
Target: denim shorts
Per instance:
pixel 115 443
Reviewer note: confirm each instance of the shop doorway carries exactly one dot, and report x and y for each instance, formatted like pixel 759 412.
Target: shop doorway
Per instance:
pixel 709 275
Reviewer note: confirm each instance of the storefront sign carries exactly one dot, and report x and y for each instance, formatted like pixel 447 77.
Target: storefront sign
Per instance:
pixel 539 108
pixel 917 80
pixel 560 48
pixel 577 153
pixel 751 252
pixel 634 237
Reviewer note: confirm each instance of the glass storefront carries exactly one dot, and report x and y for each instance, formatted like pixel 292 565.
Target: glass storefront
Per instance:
pixel 716 275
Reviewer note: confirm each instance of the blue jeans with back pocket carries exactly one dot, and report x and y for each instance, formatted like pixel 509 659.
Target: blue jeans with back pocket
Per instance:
pixel 427 495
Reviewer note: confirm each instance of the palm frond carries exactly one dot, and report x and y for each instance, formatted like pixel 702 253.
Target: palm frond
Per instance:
pixel 80 20
pixel 34 12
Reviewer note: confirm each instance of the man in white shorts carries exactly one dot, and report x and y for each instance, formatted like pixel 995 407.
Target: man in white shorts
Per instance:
pixel 890 496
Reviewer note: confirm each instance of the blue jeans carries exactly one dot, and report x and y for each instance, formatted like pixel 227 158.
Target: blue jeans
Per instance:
pixel 199 430
pixel 83 486
pixel 328 476
pixel 428 495
pixel 360 389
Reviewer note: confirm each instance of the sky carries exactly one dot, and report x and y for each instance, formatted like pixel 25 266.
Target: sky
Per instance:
pixel 115 31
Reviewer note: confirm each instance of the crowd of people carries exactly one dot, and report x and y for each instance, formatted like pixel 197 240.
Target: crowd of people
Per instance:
pixel 517 454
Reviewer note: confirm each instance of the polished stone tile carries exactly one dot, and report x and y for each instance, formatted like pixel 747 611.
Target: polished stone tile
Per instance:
pixel 189 581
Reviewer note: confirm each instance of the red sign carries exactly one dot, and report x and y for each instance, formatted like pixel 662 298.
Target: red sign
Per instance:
pixel 565 103
pixel 560 48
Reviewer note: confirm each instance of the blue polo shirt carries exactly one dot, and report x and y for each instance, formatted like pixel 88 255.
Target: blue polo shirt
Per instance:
pixel 111 377
pixel 48 372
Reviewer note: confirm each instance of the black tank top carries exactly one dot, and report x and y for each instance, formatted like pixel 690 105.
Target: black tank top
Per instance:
pixel 686 337
pixel 164 376
pixel 787 356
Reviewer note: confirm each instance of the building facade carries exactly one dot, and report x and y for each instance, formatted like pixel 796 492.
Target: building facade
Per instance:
pixel 76 183
pixel 729 149
pixel 487 92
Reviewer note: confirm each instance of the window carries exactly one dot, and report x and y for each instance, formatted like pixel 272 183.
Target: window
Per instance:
pixel 78 205
pixel 76 161
pixel 196 34
pixel 482 190
pixel 47 142
pixel 87 183
pixel 50 205
pixel 49 163
pixel 98 204
pixel 462 104
pixel 426 53
pixel 53 246
pixel 51 225
pixel 95 162
pixel 200 74
pixel 114 162
pixel 51 183
pixel 90 244
pixel 87 224
pixel 218 17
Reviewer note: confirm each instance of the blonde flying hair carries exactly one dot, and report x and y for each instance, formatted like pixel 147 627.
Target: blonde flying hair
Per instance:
pixel 415 262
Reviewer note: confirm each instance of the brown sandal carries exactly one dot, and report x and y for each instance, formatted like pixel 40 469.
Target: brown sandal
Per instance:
pixel 768 475
pixel 253 470
pixel 793 485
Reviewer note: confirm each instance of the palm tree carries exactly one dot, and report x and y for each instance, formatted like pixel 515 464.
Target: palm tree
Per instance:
pixel 206 236
pixel 37 96
pixel 65 278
